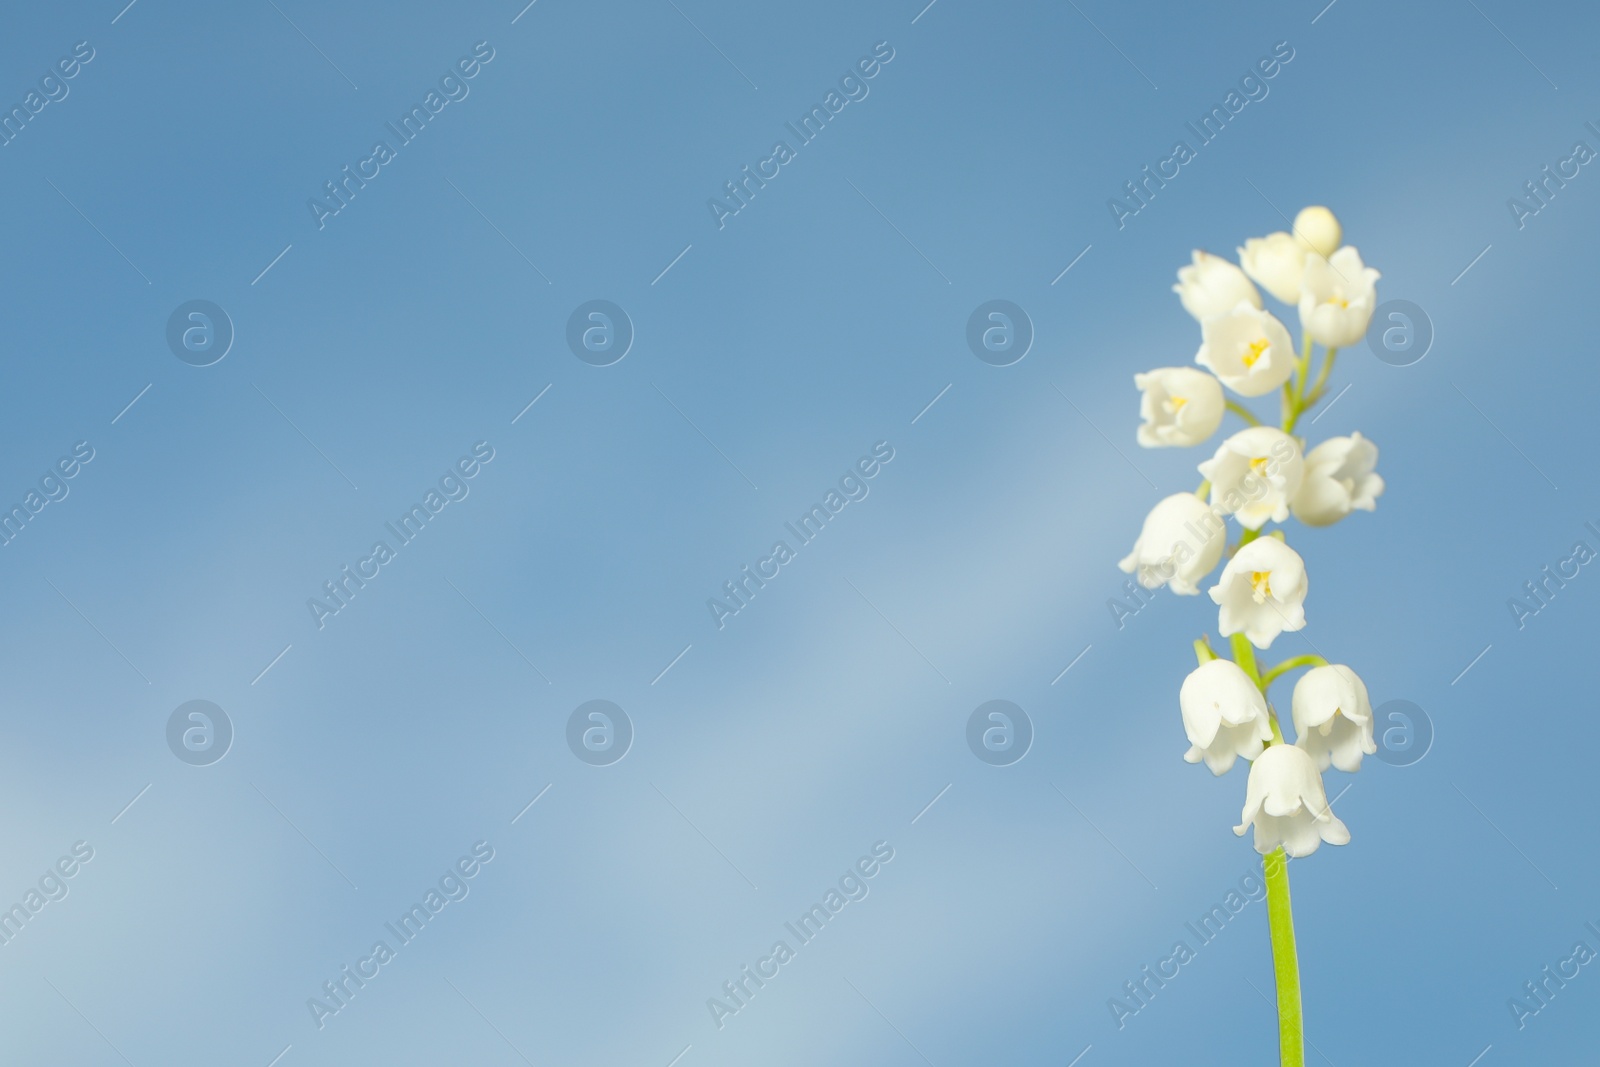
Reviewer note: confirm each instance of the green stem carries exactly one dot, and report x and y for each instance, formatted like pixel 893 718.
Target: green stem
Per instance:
pixel 1203 652
pixel 1289 665
pixel 1305 372
pixel 1244 654
pixel 1205 487
pixel 1243 412
pixel 1294 398
pixel 1246 537
pixel 1285 961
pixel 1322 378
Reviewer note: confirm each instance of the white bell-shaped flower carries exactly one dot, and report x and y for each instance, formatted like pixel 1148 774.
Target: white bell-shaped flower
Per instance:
pixel 1248 349
pixel 1254 475
pixel 1337 298
pixel 1286 803
pixel 1276 262
pixel 1340 476
pixel 1262 592
pixel 1181 540
pixel 1333 717
pixel 1213 286
pixel 1180 406
pixel 1224 715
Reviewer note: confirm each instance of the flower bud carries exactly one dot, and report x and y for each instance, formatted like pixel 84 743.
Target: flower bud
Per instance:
pixel 1317 229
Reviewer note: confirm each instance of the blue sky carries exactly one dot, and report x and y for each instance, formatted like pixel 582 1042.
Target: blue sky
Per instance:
pixel 375 349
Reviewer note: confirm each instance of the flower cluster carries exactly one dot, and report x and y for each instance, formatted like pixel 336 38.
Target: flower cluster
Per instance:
pixel 1262 475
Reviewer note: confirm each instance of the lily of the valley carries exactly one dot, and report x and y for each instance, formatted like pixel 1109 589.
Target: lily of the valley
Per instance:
pixel 1224 715
pixel 1333 717
pixel 1180 406
pixel 1287 805
pixel 1213 286
pixel 1254 475
pixel 1340 476
pixel 1248 349
pixel 1261 592
pixel 1337 297
pixel 1276 262
pixel 1259 475
pixel 1181 540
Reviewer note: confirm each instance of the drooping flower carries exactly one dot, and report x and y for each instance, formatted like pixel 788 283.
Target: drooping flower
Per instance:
pixel 1261 592
pixel 1248 349
pixel 1276 262
pixel 1337 298
pixel 1286 803
pixel 1213 286
pixel 1181 540
pixel 1340 476
pixel 1180 406
pixel 1333 717
pixel 1254 475
pixel 1224 715
pixel 1318 230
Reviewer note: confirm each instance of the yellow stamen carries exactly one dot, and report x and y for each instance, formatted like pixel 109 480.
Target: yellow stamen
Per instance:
pixel 1176 403
pixel 1253 353
pixel 1260 585
pixel 1259 465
